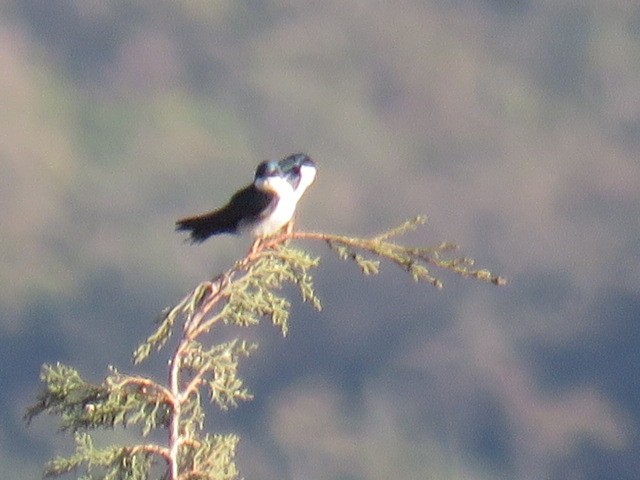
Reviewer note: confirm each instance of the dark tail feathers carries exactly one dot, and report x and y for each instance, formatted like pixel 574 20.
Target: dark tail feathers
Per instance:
pixel 204 226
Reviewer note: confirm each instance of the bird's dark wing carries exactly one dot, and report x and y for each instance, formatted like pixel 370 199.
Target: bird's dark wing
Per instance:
pixel 252 204
pixel 246 204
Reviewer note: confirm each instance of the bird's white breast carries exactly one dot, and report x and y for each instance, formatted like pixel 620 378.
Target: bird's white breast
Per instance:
pixel 307 176
pixel 278 217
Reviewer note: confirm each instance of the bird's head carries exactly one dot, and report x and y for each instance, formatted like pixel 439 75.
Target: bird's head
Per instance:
pixel 300 171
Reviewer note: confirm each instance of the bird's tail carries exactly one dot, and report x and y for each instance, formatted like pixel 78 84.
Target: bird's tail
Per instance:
pixel 204 226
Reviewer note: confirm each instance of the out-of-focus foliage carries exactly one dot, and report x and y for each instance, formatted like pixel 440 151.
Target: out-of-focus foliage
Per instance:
pixel 513 124
pixel 176 408
pixel 241 296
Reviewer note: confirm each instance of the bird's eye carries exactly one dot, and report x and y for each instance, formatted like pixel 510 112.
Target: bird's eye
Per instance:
pixel 296 169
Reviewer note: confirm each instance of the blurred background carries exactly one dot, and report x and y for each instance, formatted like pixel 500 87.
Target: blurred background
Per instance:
pixel 514 125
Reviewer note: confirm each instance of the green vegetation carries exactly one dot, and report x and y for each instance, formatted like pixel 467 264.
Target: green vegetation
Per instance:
pixel 201 369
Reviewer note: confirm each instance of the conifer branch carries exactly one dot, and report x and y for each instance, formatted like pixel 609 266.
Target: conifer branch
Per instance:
pixel 243 295
pixel 411 259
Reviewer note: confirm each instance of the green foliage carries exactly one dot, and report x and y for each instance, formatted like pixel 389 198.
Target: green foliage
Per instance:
pixel 253 296
pixel 119 400
pixel 211 458
pixel 412 259
pixel 225 387
pixel 248 298
pixel 199 367
pixel 111 463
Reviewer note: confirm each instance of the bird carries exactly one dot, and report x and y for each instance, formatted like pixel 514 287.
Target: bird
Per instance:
pixel 261 208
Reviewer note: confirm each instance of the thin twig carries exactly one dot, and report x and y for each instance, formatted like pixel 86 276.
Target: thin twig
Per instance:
pixel 195 382
pixel 153 449
pixel 142 382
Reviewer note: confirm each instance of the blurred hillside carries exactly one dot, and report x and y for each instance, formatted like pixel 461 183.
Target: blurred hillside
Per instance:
pixel 514 125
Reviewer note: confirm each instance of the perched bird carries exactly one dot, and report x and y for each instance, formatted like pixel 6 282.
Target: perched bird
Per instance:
pixel 261 208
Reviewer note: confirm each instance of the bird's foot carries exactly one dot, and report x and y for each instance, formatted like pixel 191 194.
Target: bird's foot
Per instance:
pixel 288 228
